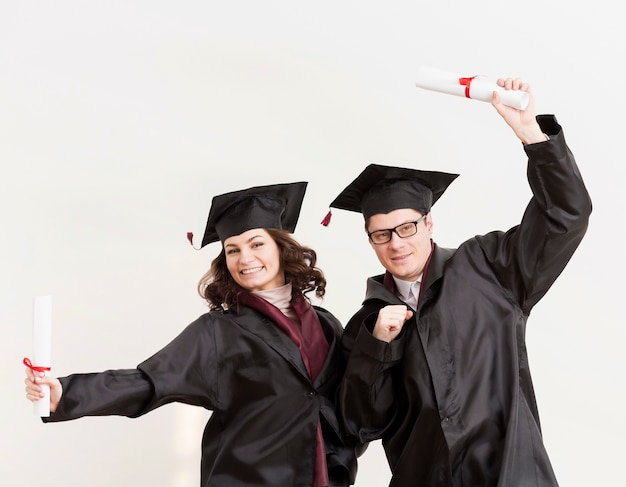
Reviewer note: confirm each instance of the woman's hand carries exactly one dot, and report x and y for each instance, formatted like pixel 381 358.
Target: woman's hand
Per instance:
pixel 34 391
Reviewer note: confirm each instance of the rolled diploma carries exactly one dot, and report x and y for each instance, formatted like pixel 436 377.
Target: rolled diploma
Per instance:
pixel 481 87
pixel 42 338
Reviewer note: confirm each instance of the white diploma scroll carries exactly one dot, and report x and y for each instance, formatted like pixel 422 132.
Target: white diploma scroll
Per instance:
pixel 42 347
pixel 474 87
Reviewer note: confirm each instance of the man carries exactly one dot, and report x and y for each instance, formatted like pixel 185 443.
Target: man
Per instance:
pixel 438 366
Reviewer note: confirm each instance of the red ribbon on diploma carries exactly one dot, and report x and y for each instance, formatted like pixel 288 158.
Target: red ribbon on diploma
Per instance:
pixel 466 82
pixel 35 368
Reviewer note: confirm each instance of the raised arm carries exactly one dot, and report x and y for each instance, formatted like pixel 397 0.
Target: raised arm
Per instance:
pixel 529 257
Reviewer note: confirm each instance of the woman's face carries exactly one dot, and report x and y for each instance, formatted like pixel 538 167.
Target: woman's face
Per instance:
pixel 253 259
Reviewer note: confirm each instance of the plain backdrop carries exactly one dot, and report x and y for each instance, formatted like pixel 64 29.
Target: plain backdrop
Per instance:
pixel 120 120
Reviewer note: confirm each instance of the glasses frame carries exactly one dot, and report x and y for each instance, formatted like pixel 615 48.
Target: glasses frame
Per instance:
pixel 395 230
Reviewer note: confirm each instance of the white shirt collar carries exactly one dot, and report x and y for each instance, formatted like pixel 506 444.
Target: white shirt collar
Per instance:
pixel 404 290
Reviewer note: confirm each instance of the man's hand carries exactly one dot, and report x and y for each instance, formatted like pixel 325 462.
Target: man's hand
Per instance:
pixel 390 321
pixel 522 122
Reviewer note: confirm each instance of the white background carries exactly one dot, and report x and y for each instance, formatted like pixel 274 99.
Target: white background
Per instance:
pixel 120 120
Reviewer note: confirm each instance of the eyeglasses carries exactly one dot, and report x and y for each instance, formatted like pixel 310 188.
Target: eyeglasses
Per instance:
pixel 404 230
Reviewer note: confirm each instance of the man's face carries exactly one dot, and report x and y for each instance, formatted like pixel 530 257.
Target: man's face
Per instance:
pixel 405 258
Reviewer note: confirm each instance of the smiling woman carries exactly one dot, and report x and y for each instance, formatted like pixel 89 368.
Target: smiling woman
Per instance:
pixel 264 360
pixel 253 260
pixel 258 251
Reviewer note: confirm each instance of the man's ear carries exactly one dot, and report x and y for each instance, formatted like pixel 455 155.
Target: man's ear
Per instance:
pixel 429 223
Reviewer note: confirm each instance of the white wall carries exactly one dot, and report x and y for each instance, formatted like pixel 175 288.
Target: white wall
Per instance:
pixel 120 120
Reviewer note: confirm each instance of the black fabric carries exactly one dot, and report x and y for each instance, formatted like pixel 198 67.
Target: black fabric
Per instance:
pixel 382 189
pixel 250 374
pixel 310 340
pixel 275 206
pixel 452 396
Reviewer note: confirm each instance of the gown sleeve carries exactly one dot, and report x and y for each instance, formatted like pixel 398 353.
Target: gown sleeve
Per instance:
pixel 122 392
pixel 529 257
pixel 186 370
pixel 366 394
pixel 183 371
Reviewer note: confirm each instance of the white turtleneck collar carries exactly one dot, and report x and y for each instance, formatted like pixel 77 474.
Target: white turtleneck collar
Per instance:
pixel 281 298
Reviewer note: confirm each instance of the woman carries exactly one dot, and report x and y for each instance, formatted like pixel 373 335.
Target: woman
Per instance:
pixel 264 360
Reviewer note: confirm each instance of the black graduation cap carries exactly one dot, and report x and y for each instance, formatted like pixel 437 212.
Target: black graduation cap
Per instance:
pixel 382 189
pixel 274 206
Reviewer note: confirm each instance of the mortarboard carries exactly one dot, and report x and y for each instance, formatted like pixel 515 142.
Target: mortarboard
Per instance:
pixel 274 206
pixel 382 189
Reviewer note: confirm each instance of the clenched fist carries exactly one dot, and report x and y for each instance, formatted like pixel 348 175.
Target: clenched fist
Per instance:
pixel 390 321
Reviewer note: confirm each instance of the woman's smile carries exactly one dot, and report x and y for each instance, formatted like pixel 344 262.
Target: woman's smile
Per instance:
pixel 252 270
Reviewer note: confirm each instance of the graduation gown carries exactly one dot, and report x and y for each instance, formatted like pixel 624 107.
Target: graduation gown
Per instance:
pixel 241 366
pixel 452 397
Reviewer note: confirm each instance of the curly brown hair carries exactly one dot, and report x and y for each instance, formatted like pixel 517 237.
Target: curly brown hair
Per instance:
pixel 220 290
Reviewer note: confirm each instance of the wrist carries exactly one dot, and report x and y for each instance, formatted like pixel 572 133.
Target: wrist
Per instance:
pixel 532 136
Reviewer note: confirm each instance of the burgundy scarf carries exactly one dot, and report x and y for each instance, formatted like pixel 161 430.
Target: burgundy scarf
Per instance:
pixel 311 342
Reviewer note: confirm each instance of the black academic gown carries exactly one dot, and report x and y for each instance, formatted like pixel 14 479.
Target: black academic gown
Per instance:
pixel 452 397
pixel 251 375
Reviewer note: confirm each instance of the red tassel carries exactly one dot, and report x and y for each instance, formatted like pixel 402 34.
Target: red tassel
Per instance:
pixel 190 238
pixel 326 219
